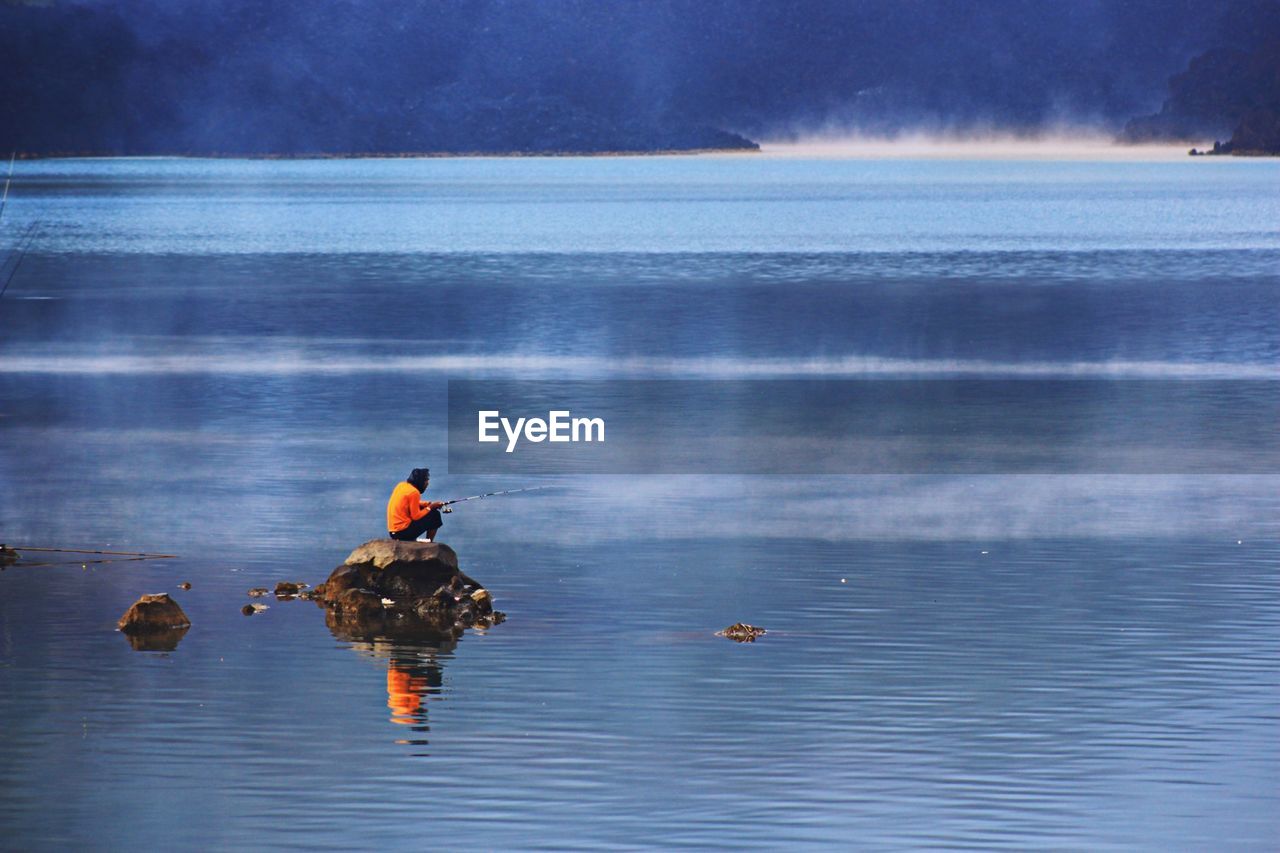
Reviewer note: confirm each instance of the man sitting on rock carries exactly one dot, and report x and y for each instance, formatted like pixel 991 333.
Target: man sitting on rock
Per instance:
pixel 408 516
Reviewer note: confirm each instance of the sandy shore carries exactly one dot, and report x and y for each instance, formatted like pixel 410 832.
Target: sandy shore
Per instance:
pixel 976 148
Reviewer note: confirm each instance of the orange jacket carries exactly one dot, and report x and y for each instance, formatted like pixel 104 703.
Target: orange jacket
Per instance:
pixel 404 508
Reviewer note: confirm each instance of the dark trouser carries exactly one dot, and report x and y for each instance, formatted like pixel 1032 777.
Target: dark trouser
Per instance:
pixel 429 523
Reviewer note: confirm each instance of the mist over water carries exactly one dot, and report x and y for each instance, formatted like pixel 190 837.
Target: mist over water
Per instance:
pixel 1064 144
pixel 235 361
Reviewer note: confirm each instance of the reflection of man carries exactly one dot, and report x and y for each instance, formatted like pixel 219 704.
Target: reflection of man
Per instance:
pixel 408 683
pixel 408 516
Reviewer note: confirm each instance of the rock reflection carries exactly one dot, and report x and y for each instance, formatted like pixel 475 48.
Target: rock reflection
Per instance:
pixel 414 652
pixel 406 603
pixel 164 640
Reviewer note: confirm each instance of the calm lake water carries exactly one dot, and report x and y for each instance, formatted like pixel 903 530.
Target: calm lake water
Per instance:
pixel 235 361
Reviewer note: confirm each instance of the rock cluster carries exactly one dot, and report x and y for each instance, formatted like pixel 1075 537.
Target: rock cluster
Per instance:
pixel 392 588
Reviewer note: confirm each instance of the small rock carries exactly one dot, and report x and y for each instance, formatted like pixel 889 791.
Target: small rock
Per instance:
pixel 156 612
pixel 258 592
pixel 483 601
pixel 184 585
pixel 741 632
pixel 289 588
pixel 250 609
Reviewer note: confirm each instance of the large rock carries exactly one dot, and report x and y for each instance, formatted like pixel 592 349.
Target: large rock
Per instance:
pixel 390 553
pixel 389 588
pixel 156 612
pixel 154 623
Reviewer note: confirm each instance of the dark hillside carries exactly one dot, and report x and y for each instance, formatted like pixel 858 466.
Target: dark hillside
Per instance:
pixel 529 76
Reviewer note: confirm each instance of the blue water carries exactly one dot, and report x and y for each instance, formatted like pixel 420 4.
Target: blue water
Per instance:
pixel 234 362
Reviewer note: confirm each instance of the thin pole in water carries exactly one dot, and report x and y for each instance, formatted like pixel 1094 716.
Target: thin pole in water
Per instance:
pixel 20 548
pixel 5 198
pixel 28 237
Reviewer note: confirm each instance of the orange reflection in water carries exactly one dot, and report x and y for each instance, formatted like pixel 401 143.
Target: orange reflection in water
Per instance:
pixel 406 694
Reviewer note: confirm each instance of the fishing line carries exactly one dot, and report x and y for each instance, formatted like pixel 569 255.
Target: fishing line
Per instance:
pixel 495 494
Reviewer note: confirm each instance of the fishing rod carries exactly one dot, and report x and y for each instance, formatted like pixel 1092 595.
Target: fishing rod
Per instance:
pixel 447 504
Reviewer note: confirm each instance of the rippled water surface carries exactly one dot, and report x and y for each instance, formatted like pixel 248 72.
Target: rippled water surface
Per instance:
pixel 235 361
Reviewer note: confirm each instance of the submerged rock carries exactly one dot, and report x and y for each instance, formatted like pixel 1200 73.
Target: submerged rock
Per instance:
pixel 250 609
pixel 258 592
pixel 8 555
pixel 288 589
pixel 184 585
pixel 156 615
pixel 392 588
pixel 741 632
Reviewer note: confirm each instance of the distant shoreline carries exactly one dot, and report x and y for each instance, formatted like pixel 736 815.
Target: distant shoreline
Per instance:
pixel 869 149
pixel 401 155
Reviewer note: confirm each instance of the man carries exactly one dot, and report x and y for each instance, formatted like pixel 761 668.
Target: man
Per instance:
pixel 408 516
